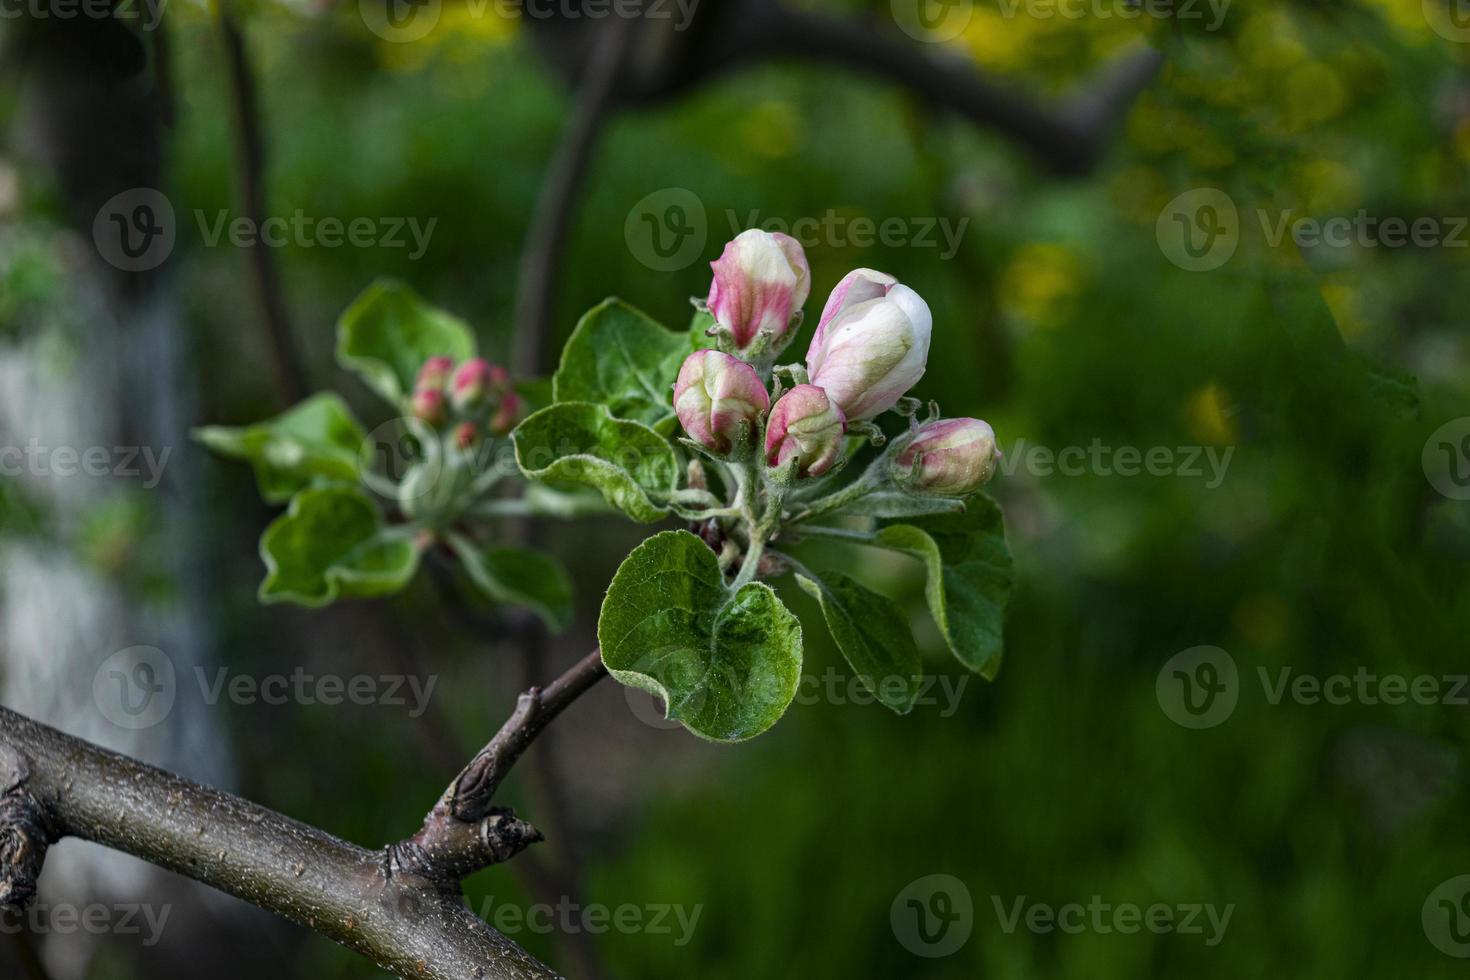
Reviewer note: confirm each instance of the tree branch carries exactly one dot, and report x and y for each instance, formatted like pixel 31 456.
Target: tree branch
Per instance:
pixel 58 786
pixel 457 838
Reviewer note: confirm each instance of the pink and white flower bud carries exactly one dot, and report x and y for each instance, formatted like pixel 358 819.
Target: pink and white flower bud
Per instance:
pixel 807 426
pixel 434 373
pixel 761 280
pixel 506 414
pixel 868 352
pixel 465 435
pixel 472 381
pixel 717 397
pixel 954 457
pixel 428 404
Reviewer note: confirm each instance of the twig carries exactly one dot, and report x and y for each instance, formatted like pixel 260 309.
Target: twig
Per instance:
pixel 545 245
pixel 250 166
pixel 452 843
pixel 57 786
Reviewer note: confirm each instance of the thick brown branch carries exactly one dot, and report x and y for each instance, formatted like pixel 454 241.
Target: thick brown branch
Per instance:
pixel 413 927
pixel 460 833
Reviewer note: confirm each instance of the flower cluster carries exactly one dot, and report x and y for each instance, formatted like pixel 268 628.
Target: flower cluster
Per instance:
pixel 870 347
pixel 476 397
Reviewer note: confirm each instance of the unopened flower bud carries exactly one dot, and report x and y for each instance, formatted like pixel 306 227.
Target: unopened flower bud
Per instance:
pixel 507 413
pixel 472 381
pixel 807 426
pixel 760 282
pixel 948 457
pixel 465 435
pixel 871 345
pixel 434 373
pixel 717 397
pixel 428 404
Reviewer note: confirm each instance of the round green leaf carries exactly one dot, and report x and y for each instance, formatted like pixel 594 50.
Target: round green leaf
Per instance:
pixel 726 663
pixel 389 332
pixel 330 544
pixel 618 356
pixel 316 441
pixel 578 442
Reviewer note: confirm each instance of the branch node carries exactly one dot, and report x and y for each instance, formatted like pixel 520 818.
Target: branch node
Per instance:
pixel 25 835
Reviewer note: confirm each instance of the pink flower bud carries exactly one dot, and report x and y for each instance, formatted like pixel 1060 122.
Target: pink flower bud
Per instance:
pixel 507 413
pixel 955 458
pixel 761 280
pixel 465 435
pixel 472 380
pixel 805 425
pixel 434 373
pixel 716 397
pixel 428 404
pixel 872 344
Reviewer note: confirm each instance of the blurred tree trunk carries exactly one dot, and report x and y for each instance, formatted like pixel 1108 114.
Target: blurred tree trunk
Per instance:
pixel 94 114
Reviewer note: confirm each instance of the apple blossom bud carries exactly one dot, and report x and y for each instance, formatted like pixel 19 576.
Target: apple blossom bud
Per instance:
pixel 717 397
pixel 948 457
pixel 472 380
pixel 805 425
pixel 868 352
pixel 428 404
pixel 434 373
pixel 507 413
pixel 465 435
pixel 761 280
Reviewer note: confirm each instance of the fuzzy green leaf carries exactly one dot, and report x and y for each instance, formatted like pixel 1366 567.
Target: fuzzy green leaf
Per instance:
pixel 389 332
pixel 331 543
pixel 619 357
pixel 579 442
pixel 873 634
pixel 317 441
pixel 969 577
pixel 519 576
pixel 726 663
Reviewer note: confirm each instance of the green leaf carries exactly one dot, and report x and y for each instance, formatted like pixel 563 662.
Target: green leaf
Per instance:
pixel 726 664
pixel 873 634
pixel 621 358
pixel 330 544
pixel 580 442
pixel 317 441
pixel 389 332
pixel 969 577
pixel 519 576
pixel 699 328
